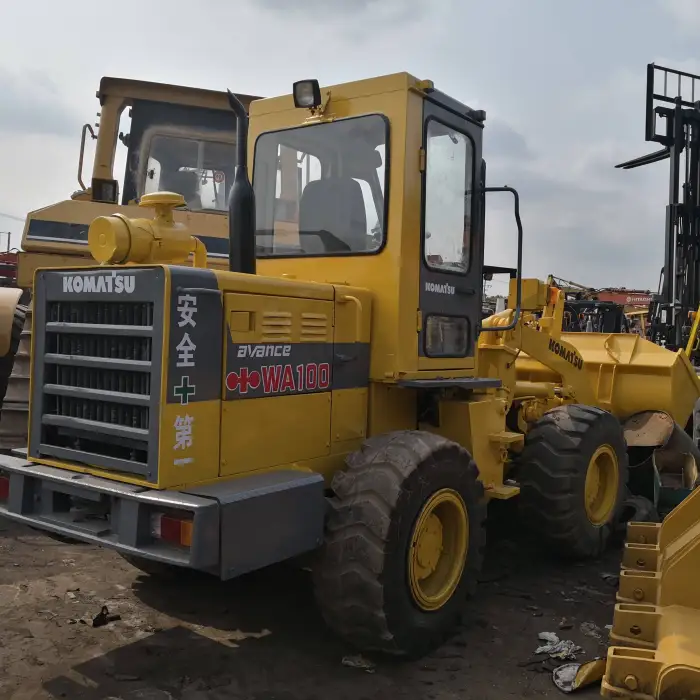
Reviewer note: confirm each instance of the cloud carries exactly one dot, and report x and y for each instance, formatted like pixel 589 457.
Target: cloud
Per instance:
pixel 503 141
pixel 32 103
pixel 582 219
pixel 685 12
pixel 380 10
pixel 380 24
pixel 44 169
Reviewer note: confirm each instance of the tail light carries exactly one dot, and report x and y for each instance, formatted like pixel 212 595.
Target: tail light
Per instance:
pixel 170 528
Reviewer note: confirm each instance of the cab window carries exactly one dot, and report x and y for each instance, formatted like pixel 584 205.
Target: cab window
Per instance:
pixel 199 170
pixel 449 174
pixel 321 189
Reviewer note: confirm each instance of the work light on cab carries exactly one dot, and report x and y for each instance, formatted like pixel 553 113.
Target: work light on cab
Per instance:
pixel 307 93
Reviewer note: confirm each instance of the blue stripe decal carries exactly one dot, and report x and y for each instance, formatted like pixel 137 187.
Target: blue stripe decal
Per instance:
pixel 64 232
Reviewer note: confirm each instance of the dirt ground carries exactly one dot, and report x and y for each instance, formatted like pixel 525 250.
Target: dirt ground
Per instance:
pixel 261 638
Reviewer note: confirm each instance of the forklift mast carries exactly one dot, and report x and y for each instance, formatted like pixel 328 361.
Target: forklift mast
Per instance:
pixel 673 120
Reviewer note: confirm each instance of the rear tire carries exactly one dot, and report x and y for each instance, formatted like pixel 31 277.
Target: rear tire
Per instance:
pixel 563 453
pixel 398 564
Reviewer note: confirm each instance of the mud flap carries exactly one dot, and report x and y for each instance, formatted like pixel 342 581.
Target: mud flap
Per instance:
pixel 656 625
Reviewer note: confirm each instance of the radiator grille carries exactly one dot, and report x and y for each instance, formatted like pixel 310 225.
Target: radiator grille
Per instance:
pixel 100 364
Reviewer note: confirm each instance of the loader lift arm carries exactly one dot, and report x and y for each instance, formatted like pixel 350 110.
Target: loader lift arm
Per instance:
pixel 541 338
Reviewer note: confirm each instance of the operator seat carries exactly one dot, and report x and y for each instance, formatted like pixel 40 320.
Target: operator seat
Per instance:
pixel 184 182
pixel 334 205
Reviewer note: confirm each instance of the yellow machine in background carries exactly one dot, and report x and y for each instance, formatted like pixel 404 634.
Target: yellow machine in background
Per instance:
pixel 178 138
pixel 335 390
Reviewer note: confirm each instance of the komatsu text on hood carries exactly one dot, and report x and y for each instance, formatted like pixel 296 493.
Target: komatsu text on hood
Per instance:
pixel 112 283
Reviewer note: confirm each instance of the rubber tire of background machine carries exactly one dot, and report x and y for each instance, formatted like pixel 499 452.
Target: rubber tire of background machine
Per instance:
pixel 642 511
pixel 553 468
pixel 361 579
pixel 7 362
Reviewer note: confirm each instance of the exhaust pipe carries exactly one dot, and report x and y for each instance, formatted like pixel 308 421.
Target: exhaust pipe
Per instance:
pixel 241 201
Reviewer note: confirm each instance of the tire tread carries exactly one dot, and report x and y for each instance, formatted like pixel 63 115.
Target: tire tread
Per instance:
pixel 552 469
pixel 349 579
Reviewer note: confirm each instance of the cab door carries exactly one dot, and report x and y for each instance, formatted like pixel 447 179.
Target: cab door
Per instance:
pixel 452 242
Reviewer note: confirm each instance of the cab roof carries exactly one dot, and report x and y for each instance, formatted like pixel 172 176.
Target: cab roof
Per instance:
pixel 131 90
pixel 393 82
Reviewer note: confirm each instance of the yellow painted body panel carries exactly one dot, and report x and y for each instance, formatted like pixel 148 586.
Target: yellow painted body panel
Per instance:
pixel 273 286
pixel 319 427
pixel 349 419
pixel 104 473
pixel 391 408
pixel 475 424
pixel 29 263
pixel 296 428
pixel 278 319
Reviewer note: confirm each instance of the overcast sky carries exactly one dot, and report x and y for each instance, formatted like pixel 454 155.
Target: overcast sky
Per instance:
pixel 562 84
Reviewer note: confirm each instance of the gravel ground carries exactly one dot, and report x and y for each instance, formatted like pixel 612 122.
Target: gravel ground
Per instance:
pixel 261 638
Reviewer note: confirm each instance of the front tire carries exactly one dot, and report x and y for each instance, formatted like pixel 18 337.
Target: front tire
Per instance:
pixel 573 479
pixel 404 543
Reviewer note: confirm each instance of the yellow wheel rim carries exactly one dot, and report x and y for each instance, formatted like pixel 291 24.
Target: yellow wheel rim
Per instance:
pixel 602 480
pixel 438 549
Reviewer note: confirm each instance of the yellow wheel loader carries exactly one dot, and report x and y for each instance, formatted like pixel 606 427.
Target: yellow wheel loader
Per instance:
pixel 174 137
pixel 336 390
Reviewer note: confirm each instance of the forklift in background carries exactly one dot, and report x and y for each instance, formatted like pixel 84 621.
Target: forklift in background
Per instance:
pixel 673 120
pixel 584 312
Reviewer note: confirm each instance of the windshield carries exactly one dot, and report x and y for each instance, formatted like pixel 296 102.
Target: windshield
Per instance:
pixel 198 169
pixel 320 189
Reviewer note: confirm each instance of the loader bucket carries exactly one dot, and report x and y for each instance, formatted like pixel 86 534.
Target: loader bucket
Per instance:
pixel 655 637
pixel 626 375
